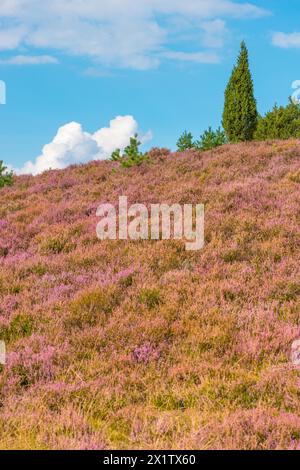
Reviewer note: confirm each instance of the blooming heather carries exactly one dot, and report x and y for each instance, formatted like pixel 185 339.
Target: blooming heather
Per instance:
pixel 123 344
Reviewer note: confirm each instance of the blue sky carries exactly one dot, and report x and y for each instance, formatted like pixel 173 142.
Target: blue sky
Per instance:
pixel 164 63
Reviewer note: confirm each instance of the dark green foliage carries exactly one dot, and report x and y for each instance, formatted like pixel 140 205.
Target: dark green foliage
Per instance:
pixel 132 155
pixel 185 142
pixel 211 139
pixel 6 178
pixel 281 123
pixel 240 112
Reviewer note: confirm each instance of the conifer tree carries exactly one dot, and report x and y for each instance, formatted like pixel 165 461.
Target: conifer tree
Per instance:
pixel 131 156
pixel 240 111
pixel 185 142
pixel 6 177
pixel 282 122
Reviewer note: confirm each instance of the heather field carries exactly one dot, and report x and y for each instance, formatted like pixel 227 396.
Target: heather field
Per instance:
pixel 143 345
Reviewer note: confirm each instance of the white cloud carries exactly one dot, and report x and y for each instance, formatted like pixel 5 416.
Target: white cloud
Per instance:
pixel 118 33
pixel 29 60
pixel 72 145
pixel 11 37
pixel 196 57
pixel 286 40
pixel 214 33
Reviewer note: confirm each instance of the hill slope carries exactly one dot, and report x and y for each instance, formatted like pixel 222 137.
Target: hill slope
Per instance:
pixel 116 344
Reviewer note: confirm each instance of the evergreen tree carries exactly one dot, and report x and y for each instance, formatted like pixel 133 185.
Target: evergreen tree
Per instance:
pixel 132 155
pixel 185 142
pixel 282 122
pixel 240 112
pixel 211 139
pixel 6 178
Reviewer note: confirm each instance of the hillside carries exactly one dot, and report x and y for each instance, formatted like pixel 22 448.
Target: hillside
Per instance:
pixel 121 344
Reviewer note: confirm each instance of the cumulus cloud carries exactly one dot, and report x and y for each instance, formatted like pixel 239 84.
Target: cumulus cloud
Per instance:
pixel 73 145
pixel 119 33
pixel 286 40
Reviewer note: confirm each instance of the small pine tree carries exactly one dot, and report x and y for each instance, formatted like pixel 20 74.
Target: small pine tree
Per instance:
pixel 211 139
pixel 116 155
pixel 220 137
pixel 282 122
pixel 185 142
pixel 6 178
pixel 132 155
pixel 240 111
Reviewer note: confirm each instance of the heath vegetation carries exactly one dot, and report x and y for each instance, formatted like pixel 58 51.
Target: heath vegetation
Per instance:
pixel 123 344
pixel 141 344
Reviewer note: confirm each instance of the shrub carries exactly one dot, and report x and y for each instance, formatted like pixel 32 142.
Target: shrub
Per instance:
pixel 158 153
pixel 55 244
pixel 185 142
pixel 240 112
pixel 6 177
pixel 211 139
pixel 21 326
pixel 150 297
pixel 295 177
pixel 282 122
pixel 91 307
pixel 208 140
pixel 132 156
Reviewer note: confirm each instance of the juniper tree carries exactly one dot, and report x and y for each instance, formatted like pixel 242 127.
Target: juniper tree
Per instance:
pixel 240 111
